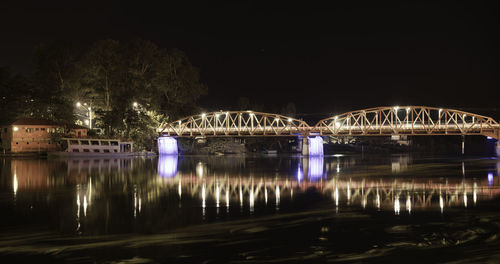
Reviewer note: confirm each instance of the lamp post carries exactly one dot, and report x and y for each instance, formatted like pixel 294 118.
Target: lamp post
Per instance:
pixel 89 109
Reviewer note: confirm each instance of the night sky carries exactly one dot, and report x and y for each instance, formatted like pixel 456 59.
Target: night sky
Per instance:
pixel 325 58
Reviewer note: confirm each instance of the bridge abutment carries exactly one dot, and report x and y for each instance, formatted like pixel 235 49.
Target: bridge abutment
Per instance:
pixel 167 146
pixel 312 146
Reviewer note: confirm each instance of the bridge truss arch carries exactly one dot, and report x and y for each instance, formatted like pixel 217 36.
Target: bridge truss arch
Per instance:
pixel 235 123
pixel 408 120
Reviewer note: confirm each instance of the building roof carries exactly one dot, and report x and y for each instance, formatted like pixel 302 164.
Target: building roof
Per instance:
pixel 34 122
pixel 75 126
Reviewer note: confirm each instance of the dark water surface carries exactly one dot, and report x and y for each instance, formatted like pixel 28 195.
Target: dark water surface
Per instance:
pixel 254 209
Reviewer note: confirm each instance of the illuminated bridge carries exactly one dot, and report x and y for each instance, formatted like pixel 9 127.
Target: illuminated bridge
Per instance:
pixel 380 121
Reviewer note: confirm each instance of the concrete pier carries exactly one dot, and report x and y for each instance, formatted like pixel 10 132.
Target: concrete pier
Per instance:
pixel 312 146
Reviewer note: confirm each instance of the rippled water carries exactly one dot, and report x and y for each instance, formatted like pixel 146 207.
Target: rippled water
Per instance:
pixel 251 209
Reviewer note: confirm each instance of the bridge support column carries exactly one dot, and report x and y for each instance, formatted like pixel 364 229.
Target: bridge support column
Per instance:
pixel 167 146
pixel 312 146
pixel 498 149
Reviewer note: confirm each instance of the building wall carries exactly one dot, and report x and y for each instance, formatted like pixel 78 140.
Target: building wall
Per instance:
pixel 30 138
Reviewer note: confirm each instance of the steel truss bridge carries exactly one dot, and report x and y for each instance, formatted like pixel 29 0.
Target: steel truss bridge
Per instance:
pixel 379 121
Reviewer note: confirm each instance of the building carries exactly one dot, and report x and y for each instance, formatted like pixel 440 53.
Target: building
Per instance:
pixel 35 135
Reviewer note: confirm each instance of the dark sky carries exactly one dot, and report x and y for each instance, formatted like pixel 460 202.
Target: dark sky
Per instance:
pixel 326 58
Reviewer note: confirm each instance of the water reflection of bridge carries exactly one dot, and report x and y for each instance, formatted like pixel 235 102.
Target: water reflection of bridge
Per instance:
pixel 221 190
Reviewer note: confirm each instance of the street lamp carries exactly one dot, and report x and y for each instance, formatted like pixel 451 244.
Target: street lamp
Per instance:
pixel 135 104
pixel 89 121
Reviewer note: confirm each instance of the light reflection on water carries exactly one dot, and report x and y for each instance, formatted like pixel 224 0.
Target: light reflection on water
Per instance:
pixel 141 188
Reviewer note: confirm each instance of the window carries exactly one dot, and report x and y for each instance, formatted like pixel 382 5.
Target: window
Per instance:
pixel 27 143
pixel 115 150
pixel 79 133
pixel 104 143
pixel 114 143
pixel 84 142
pixel 106 151
pixel 36 129
pixel 76 150
pixel 86 150
pixel 73 142
pixel 94 142
pixel 17 143
pixel 42 129
pixel 5 130
pixel 96 150
pixel 29 130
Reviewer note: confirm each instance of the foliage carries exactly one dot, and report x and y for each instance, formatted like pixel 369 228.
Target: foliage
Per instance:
pixel 109 76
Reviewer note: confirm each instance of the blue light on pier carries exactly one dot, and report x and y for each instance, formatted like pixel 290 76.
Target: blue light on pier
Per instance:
pixel 167 146
pixel 316 146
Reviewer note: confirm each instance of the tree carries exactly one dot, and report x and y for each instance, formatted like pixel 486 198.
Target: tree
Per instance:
pixel 163 82
pixel 12 95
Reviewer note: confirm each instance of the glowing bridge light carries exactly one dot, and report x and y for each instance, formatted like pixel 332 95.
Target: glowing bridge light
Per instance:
pixel 78 104
pixel 216 115
pixel 167 146
pixel 203 115
pixel 289 120
pixel 277 119
pixel 396 108
pixel 396 205
pixel 15 128
pixel 490 178
pixel 135 104
pixel 167 166
pixel 407 109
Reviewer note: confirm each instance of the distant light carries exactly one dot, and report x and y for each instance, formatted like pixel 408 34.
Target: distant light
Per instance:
pixel 289 120
pixel 84 103
pixel 490 178
pixel 407 109
pixel 216 115
pixel 15 128
pixel 203 115
pixel 396 108
pixel 135 104
pixel 227 113
pixel 78 104
pixel 86 122
pixel 277 119
pixel 488 137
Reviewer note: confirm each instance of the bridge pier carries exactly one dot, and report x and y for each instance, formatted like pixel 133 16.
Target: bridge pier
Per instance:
pixel 498 149
pixel 167 146
pixel 312 146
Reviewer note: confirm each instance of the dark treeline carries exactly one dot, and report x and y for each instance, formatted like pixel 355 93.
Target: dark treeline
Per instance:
pixel 108 76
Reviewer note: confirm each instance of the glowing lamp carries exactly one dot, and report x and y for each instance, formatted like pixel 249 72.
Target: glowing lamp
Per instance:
pixel 15 128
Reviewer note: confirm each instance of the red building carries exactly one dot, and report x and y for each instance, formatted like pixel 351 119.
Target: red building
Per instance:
pixel 35 135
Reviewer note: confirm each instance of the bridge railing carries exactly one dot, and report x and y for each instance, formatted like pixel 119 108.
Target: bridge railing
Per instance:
pixel 235 123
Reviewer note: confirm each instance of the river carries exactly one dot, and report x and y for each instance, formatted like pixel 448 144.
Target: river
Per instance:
pixel 254 209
